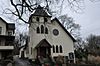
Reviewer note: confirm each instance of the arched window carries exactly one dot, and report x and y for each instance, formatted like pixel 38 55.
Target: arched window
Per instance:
pixel 57 49
pixel 37 19
pixel 60 47
pixel 53 47
pixel 42 29
pixel 46 30
pixel 38 30
pixel 45 20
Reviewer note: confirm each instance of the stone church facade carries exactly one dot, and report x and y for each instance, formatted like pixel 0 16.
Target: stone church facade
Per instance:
pixel 48 37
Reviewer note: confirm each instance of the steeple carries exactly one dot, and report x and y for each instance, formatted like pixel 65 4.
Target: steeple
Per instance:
pixel 40 11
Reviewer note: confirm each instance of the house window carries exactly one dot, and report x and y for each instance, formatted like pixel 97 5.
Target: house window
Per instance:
pixel 42 29
pixel 38 30
pixel 0 30
pixel 31 50
pixel 0 43
pixel 45 20
pixel 9 33
pixel 53 47
pixel 56 48
pixel 46 30
pixel 60 47
pixel 37 19
pixel 71 55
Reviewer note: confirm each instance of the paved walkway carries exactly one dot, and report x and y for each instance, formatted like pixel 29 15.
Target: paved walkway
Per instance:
pixel 21 62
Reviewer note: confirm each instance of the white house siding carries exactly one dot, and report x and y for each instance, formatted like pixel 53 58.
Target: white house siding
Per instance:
pixel 6 48
pixel 62 39
pixel 3 25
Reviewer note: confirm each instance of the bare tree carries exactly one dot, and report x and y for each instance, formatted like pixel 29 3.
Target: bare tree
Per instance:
pixel 23 8
pixel 70 25
pixel 93 44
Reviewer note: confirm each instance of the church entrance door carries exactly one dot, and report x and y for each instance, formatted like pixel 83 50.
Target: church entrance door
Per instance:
pixel 43 51
pixel 43 48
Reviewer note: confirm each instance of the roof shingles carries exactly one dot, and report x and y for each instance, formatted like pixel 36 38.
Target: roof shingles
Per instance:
pixel 40 12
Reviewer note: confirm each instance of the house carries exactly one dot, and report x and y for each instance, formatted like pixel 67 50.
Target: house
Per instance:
pixel 48 37
pixel 7 31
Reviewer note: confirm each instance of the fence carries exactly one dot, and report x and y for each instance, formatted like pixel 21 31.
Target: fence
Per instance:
pixel 65 64
pixel 82 65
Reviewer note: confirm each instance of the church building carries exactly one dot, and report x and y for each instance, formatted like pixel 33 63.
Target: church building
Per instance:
pixel 48 37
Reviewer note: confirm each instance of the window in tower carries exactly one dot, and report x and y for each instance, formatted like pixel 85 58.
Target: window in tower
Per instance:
pixel 46 30
pixel 42 29
pixel 45 20
pixel 37 19
pixel 38 30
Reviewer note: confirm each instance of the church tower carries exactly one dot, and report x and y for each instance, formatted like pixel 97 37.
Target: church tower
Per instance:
pixel 39 33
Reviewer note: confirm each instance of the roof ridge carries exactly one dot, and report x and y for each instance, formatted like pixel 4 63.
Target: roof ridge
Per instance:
pixel 40 11
pixel 64 29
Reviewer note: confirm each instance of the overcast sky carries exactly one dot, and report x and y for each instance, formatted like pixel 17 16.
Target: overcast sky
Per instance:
pixel 89 20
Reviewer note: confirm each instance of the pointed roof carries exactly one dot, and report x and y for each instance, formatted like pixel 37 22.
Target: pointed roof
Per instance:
pixel 3 20
pixel 64 29
pixel 8 25
pixel 43 43
pixel 40 11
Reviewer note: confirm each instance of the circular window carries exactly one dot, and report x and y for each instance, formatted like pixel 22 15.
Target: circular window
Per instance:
pixel 55 32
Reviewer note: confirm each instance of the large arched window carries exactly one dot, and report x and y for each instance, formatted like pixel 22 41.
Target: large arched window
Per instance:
pixel 46 30
pixel 42 29
pixel 53 47
pixel 37 19
pixel 57 49
pixel 38 30
pixel 60 47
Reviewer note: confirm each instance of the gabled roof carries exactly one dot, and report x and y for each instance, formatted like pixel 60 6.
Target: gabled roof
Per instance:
pixel 64 29
pixel 43 43
pixel 39 11
pixel 10 26
pixel 3 20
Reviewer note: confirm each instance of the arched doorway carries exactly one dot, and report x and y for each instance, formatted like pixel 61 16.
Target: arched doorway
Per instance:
pixel 43 48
